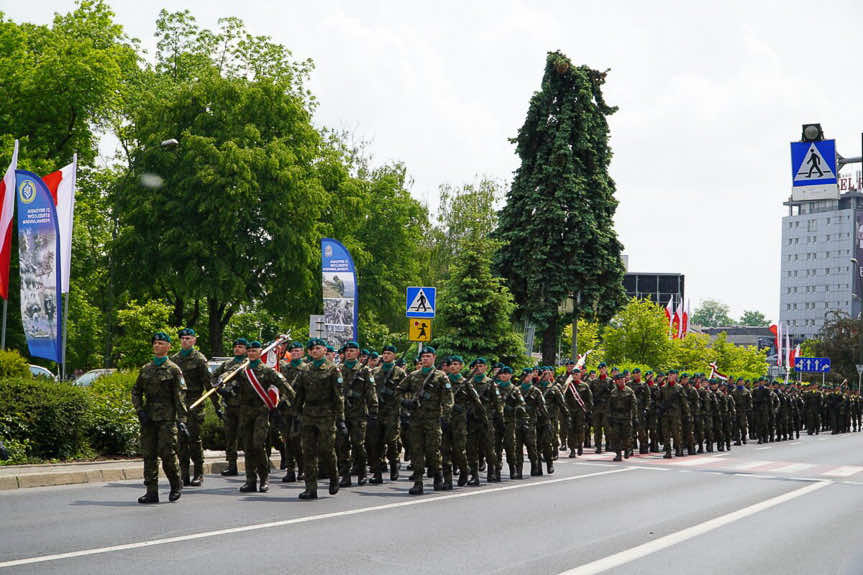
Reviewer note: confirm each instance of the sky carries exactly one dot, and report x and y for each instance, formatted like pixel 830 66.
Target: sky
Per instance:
pixel 709 97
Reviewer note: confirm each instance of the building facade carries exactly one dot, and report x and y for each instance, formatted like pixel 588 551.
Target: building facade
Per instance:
pixel 657 287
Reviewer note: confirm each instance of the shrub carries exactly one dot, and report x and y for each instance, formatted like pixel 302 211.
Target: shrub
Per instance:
pixel 12 364
pixel 113 427
pixel 212 432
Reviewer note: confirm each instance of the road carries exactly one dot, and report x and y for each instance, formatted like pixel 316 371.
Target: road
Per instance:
pixel 788 507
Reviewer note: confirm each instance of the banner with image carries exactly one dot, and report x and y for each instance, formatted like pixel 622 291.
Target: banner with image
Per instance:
pixel 339 282
pixel 39 263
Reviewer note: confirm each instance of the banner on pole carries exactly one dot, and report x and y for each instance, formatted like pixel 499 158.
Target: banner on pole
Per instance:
pixel 39 262
pixel 339 281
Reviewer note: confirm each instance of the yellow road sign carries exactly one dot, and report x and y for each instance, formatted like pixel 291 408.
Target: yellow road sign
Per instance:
pixel 419 330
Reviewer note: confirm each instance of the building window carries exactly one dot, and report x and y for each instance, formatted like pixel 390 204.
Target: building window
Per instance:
pixel 828 221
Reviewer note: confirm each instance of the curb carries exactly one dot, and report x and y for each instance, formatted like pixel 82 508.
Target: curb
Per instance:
pixel 135 470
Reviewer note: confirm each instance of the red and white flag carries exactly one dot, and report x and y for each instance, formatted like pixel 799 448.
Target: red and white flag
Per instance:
pixel 61 184
pixel 679 317
pixel 685 329
pixel 669 311
pixel 794 353
pixel 787 351
pixel 715 373
pixel 7 210
pixel 780 354
pixel 270 396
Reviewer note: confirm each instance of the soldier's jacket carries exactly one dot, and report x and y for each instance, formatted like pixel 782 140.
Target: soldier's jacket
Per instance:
pixel 761 399
pixel 534 402
pixel 159 391
pixel 361 396
pixel 694 400
pixel 730 408
pixel 742 400
pixel 227 366
pixel 514 408
pixel 387 380
pixel 249 400
pixel 813 400
pixel 642 393
pixel 197 376
pixel 622 403
pixel 466 400
pixel 489 395
pixel 601 388
pixel 432 391
pixel 774 401
pixel 673 401
pixel 653 407
pixel 291 371
pixel 319 392
pixel 586 396
pixel 721 403
pixel 555 404
pixel 709 407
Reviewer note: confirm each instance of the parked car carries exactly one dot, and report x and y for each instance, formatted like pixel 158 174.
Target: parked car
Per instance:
pixel 215 362
pixel 39 371
pixel 92 375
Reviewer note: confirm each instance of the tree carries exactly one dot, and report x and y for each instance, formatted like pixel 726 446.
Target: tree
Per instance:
pixel 638 334
pixel 754 319
pixel 557 228
pixel 841 339
pixel 711 313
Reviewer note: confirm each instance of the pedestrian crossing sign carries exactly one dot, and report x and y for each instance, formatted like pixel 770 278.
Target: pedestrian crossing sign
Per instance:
pixel 813 163
pixel 420 302
pixel 419 330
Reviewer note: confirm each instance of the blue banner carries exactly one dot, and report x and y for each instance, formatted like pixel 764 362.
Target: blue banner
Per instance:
pixel 39 261
pixel 339 283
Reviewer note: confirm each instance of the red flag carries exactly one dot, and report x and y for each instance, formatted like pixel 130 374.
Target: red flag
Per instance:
pixel 61 184
pixel 7 210
pixel 678 317
pixel 669 310
pixel 685 328
pixel 794 353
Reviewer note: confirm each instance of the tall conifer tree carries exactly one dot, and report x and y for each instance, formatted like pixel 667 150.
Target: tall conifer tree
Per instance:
pixel 557 226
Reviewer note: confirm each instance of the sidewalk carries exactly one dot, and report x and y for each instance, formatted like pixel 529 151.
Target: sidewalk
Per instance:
pixel 24 476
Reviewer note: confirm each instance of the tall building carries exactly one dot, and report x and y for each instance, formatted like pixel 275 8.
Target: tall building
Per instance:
pixel 819 239
pixel 657 287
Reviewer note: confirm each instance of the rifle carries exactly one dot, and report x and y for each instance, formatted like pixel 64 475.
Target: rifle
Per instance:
pixel 225 377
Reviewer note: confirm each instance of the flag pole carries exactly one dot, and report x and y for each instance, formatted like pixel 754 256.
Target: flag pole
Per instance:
pixel 3 336
pixel 65 333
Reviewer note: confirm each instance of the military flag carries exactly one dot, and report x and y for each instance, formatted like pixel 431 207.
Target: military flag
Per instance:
pixel 7 210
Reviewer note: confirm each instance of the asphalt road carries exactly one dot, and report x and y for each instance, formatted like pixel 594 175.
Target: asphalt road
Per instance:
pixel 788 507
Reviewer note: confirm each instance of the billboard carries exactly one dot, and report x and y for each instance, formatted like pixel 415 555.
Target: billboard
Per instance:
pixel 339 287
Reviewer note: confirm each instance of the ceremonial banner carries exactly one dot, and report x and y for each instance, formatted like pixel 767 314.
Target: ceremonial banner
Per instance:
pixel 39 261
pixel 61 184
pixel 339 281
pixel 7 210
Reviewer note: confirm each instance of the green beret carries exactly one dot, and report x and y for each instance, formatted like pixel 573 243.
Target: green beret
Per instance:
pixel 526 370
pixel 315 341
pixel 457 358
pixel 569 362
pixel 391 348
pixel 601 365
pixel 255 344
pixel 428 349
pixel 684 374
pixel 670 371
pixel 446 361
pixel 506 369
pixel 364 351
pixel 636 370
pixel 617 376
pixel 329 347
pixel 352 345
pixel 480 360
pixel 241 341
pixel 295 345
pixel 187 331
pixel 161 336
pixel 625 372
pixel 646 373
pixel 374 355
pixel 576 370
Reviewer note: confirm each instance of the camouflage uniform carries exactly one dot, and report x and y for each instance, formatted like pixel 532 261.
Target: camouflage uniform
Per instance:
pixel 361 404
pixel 231 421
pixel 653 417
pixel 513 416
pixel 693 422
pixel 384 437
pixel 481 432
pixel 642 393
pixel 193 364
pixel 534 412
pixel 622 411
pixel 601 388
pixel 812 400
pixel 729 417
pixel 674 409
pixel 320 405
pixel 742 406
pixel 291 370
pixel 578 416
pixel 710 414
pixel 158 398
pixel 427 393
pixel 761 406
pixel 454 442
pixel 554 404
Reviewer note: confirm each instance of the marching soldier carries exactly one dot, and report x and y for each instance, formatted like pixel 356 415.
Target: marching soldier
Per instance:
pixel 321 407
pixel 513 417
pixel 645 404
pixel 674 410
pixel 554 404
pixel 761 406
pixel 601 388
pixel 231 419
pixel 466 400
pixel 481 440
pixel 728 416
pixel 293 453
pixel 653 415
pixel 193 364
pixel 427 394
pixel 742 406
pixel 622 411
pixel 574 391
pixel 361 408
pixel 694 419
pixel 711 413
pixel 158 400
pixel 534 412
pixel 562 381
pixel 384 437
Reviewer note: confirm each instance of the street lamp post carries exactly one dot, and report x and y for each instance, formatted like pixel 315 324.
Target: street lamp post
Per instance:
pixel 858 280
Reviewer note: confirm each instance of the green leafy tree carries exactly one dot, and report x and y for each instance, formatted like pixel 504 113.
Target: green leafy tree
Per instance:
pixel 557 227
pixel 754 319
pixel 639 334
pixel 840 339
pixel 589 335
pixel 137 324
pixel 711 313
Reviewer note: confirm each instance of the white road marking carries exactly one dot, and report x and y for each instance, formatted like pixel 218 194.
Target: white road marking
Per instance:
pixel 766 447
pixel 844 471
pixel 793 467
pixel 661 543
pixel 751 465
pixel 795 443
pixel 307 519
pixel 694 462
pixel 649 468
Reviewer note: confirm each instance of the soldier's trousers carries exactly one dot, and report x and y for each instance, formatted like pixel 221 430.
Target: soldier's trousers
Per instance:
pixel 405 435
pixel 727 426
pixel 672 427
pixel 562 423
pixel 553 423
pixel 545 445
pixel 526 439
pixel 620 433
pixel 318 437
pixel 600 423
pixel 383 442
pixel 643 426
pixel 231 425
pixel 688 434
pixel 653 424
pixel 352 449
pixel 508 443
pixel 480 443
pixel 577 425
pixel 192 448
pixel 159 439
pixel 741 430
pixel 709 431
pixel 698 428
pixel 293 448
pixel 254 430
pixel 425 440
pixel 454 447
pixel 761 421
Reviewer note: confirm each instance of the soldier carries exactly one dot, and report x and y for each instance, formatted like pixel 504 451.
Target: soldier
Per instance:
pixel 481 440
pixel 694 419
pixel 534 411
pixel 674 410
pixel 193 364
pixel 158 400
pixel 554 404
pixel 601 388
pixel 361 408
pixel 742 406
pixel 259 389
pixel 761 406
pixel 384 437
pixel 466 400
pixel 231 419
pixel 293 453
pixel 710 414
pixel 513 417
pixel 562 381
pixel 321 407
pixel 622 411
pixel 730 415
pixel 574 391
pixel 642 393
pixel 427 394
pixel 653 416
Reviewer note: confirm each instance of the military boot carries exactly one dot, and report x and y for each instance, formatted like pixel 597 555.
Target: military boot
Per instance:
pixel 580 451
pixel 700 448
pixel 549 466
pixel 438 481
pixel 334 484
pixel 250 486
pixel 289 477
pixel 198 479
pixel 727 446
pixel 627 454
pixel 264 487
pixel 346 480
pixel 186 479
pixel 667 455
pixel 231 470
pixel 176 490
pixel 149 497
pixel 512 471
pixel 572 454
pixel 737 442
pixel 618 457
pixel 496 475
pixel 539 468
pixel 474 479
pixel 710 447
pixel 643 450
pixel 462 477
pixel 678 452
pixel 309 494
pixel 429 472
pixel 377 478
pixel 519 468
pixel 720 446
pixel 417 489
pixel 361 478
pixel 394 471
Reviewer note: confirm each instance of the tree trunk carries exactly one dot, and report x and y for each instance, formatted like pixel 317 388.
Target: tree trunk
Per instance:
pixel 177 314
pixel 549 342
pixel 575 340
pixel 216 328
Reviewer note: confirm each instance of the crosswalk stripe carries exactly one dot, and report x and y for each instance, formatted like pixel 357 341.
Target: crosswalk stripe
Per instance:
pixel 751 464
pixel 793 467
pixel 844 471
pixel 697 461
